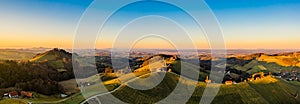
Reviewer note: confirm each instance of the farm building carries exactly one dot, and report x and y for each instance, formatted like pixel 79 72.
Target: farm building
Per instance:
pixel 13 94
pixel 26 94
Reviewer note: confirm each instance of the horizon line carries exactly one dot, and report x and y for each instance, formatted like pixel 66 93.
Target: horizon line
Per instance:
pixel 153 48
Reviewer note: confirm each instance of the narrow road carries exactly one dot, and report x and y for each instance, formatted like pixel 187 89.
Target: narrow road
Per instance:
pixel 96 96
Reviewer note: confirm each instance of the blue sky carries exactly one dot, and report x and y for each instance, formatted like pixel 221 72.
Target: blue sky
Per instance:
pixel 245 23
pixel 267 19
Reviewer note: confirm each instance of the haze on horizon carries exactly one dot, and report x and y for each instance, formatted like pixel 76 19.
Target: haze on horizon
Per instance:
pixel 255 24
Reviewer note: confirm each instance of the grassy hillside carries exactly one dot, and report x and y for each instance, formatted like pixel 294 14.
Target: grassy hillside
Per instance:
pixel 190 67
pixel 41 75
pixel 261 66
pixel 51 55
pixel 13 101
pixel 130 95
pixel 283 59
pixel 267 90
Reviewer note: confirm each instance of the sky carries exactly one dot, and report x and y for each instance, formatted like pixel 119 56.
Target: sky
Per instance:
pixel 246 24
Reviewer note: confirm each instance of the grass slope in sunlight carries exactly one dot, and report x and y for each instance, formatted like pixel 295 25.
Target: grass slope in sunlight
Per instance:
pixel 268 90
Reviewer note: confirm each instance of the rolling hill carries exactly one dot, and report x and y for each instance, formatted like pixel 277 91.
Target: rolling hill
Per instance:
pixel 283 59
pixel 41 74
pixel 59 59
pixel 54 67
pixel 267 90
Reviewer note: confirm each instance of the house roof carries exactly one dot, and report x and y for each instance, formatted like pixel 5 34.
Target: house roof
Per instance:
pixel 14 93
pixel 228 82
pixel 24 93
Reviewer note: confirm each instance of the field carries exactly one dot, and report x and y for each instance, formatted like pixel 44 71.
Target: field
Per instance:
pixel 191 69
pixel 15 55
pixel 43 98
pixel 20 54
pixel 268 90
pixel 263 91
pixel 284 60
pixel 13 101
pixel 70 86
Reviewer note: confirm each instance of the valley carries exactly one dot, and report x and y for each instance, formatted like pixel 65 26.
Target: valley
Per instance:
pixel 248 78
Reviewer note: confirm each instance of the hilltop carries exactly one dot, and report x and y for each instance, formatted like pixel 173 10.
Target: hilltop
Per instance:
pixel 58 59
pixel 40 74
pixel 52 55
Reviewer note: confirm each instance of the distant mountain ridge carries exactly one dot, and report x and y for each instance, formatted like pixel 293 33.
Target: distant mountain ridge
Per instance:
pixel 283 59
